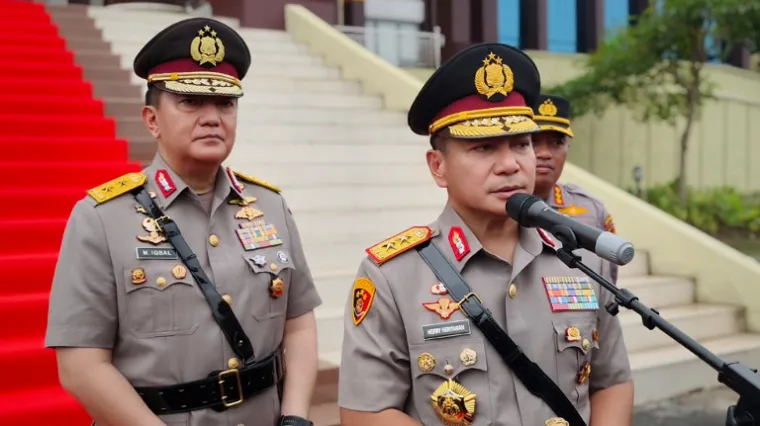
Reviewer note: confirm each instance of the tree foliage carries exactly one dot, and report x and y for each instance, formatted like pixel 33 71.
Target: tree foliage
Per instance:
pixel 655 67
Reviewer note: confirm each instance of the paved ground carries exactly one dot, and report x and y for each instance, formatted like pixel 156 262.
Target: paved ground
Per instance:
pixel 698 409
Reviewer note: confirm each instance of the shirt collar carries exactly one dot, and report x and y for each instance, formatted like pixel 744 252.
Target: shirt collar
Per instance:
pixel 459 244
pixel 169 185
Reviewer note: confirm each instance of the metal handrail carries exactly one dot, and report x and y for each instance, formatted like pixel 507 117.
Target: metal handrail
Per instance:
pixel 429 43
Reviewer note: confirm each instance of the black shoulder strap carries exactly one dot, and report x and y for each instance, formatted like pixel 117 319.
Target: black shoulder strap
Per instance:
pixel 529 373
pixel 221 311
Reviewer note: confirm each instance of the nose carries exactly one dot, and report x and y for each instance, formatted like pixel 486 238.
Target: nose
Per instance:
pixel 542 151
pixel 209 115
pixel 506 162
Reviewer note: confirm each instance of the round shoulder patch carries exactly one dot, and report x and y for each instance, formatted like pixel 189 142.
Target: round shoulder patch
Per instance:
pixel 361 300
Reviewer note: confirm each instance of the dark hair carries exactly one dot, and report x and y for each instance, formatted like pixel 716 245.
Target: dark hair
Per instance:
pixel 152 96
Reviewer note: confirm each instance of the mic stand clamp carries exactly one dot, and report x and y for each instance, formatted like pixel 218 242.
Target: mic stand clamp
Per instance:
pixel 741 379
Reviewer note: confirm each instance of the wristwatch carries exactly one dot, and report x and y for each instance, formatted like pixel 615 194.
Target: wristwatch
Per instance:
pixel 294 421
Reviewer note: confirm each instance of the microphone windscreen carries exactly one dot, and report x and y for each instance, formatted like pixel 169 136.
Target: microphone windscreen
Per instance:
pixel 518 205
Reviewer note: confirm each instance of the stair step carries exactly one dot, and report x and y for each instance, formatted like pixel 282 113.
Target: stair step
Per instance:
pixel 659 292
pixel 349 134
pixel 330 174
pixel 42 406
pixel 32 308
pixel 321 102
pixel 62 150
pixel 638 267
pixel 57 126
pixel 71 175
pixel 25 274
pixel 310 153
pixel 26 364
pixel 673 371
pixel 31 235
pixel 700 322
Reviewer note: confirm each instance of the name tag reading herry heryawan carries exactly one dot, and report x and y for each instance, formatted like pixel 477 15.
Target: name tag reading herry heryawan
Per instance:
pixel 156 253
pixel 446 329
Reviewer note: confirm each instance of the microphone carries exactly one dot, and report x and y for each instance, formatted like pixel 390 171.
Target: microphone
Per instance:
pixel 531 212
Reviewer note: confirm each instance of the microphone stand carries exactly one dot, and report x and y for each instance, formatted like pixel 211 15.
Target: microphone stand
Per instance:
pixel 741 379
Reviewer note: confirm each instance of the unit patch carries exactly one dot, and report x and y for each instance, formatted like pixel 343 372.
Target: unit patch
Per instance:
pixel 570 294
pixel 446 329
pixel 362 296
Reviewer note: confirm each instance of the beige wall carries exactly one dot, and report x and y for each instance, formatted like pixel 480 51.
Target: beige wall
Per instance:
pixel 723 149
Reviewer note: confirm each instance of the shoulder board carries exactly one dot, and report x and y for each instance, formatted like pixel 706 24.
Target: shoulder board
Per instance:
pixel 256 181
pixel 117 187
pixel 575 189
pixel 545 238
pixel 399 243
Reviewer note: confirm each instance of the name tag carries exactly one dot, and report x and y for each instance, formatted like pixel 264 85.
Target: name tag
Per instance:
pixel 446 329
pixel 150 253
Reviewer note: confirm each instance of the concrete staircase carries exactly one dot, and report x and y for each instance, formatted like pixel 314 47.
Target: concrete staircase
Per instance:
pixel 354 174
pixel 110 81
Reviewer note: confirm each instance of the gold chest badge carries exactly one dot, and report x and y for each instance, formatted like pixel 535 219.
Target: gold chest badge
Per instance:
pixel 454 404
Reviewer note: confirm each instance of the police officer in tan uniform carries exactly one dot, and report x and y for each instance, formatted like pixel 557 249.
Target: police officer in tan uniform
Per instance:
pixel 182 295
pixel 551 146
pixel 418 346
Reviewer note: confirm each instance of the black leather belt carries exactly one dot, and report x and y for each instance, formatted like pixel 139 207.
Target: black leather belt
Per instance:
pixel 219 391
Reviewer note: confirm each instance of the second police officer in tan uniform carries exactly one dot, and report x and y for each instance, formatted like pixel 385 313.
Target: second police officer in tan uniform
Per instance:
pixel 153 327
pixel 551 145
pixel 419 351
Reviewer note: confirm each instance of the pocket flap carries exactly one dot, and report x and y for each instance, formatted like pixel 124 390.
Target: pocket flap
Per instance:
pixel 159 276
pixel 461 355
pixel 576 333
pixel 271 261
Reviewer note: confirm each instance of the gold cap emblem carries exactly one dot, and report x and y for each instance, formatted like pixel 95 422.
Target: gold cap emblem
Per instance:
pixel 494 77
pixel 548 108
pixel 454 404
pixel 207 47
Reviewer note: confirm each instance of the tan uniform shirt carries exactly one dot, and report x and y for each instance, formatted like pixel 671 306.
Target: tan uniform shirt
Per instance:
pixel 409 340
pixel 113 291
pixel 577 203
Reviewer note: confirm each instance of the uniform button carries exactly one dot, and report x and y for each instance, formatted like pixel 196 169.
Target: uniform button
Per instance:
pixel 233 363
pixel 213 240
pixel 586 344
pixel 161 281
pixel 227 298
pixel 512 291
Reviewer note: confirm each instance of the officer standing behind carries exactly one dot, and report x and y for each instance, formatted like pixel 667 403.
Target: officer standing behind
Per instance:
pixel 178 289
pixel 418 347
pixel 551 146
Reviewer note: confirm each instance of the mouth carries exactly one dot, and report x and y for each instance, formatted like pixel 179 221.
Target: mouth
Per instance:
pixel 544 168
pixel 508 191
pixel 209 138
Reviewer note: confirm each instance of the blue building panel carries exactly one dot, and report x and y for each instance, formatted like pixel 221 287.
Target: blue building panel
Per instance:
pixel 508 12
pixel 561 26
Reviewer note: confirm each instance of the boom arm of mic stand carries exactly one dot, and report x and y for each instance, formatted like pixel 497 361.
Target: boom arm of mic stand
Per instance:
pixel 741 379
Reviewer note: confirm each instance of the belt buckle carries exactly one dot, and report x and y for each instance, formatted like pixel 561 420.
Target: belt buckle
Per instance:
pixel 224 375
pixel 466 298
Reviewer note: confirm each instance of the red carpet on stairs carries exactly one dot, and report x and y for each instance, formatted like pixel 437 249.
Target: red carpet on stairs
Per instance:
pixel 56 144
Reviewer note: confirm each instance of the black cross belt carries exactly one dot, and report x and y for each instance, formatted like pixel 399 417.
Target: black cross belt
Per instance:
pixel 219 391
pixel 527 371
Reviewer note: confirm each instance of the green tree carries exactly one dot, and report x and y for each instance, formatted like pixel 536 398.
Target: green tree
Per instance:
pixel 655 67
